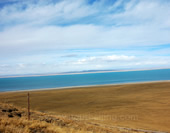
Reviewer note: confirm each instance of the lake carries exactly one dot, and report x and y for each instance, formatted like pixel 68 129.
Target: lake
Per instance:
pixel 57 81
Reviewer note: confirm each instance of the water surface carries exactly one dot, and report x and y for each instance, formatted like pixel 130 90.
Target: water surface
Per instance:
pixel 40 82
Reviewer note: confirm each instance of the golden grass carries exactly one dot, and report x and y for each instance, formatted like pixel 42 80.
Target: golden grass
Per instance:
pixel 43 123
pixel 145 105
pixel 24 126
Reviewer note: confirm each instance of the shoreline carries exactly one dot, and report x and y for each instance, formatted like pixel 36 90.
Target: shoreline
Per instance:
pixel 37 75
pixel 86 86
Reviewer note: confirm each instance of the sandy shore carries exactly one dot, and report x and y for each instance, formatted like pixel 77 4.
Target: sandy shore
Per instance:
pixel 87 86
pixel 38 75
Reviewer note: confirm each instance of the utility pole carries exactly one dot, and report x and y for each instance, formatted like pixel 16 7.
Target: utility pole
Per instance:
pixel 28 106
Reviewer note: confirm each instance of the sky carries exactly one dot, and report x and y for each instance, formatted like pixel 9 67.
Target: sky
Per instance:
pixel 52 36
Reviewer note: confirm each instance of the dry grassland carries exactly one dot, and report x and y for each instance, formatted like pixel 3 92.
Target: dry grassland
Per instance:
pixel 137 106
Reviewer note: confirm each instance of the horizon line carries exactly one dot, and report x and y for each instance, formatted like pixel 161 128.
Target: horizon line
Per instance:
pixel 80 72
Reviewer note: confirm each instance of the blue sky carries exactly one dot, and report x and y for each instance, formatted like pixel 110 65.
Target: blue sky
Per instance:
pixel 52 36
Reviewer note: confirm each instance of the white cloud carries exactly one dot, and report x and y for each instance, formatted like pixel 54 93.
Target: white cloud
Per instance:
pixel 144 12
pixel 44 13
pixel 148 25
pixel 20 39
pixel 28 35
pixel 48 64
pixel 118 58
pixel 104 59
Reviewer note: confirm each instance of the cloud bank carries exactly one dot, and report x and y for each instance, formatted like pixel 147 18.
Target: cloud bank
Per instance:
pixel 109 34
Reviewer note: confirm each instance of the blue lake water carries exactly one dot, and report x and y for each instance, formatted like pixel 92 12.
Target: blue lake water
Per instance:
pixel 39 82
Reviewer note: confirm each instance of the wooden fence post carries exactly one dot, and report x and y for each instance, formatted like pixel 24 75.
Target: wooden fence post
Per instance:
pixel 28 106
